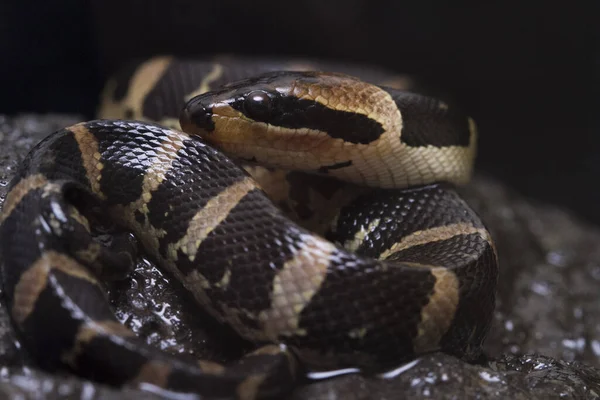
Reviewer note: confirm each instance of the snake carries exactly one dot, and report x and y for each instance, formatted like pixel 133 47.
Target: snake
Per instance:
pixel 214 168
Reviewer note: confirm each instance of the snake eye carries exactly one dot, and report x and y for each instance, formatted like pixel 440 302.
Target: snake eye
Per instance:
pixel 258 104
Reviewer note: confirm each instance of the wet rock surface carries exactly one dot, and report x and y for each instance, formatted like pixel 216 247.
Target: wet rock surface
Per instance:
pixel 545 341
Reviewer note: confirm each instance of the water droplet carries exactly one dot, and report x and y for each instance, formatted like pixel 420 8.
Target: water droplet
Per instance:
pixel 88 391
pixel 139 303
pixel 330 374
pixel 541 288
pixel 540 366
pixel 415 382
pixel 166 394
pixel 574 344
pixel 508 325
pixel 595 272
pixel 486 376
pixel 557 258
pixel 431 378
pixel 515 349
pixel 400 370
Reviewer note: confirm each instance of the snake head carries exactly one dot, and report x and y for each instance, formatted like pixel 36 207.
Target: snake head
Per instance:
pixel 240 105
pixel 279 118
pixel 333 124
pixel 287 100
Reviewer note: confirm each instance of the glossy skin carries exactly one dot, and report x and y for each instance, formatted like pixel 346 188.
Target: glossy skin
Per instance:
pixel 336 125
pixel 203 219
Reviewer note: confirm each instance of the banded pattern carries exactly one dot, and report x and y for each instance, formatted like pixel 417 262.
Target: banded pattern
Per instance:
pixel 155 89
pixel 395 274
pixel 49 284
pixel 337 125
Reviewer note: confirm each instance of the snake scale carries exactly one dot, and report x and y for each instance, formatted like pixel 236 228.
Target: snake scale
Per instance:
pixel 395 266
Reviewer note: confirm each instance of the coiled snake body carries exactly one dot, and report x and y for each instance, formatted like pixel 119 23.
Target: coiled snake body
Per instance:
pixel 416 273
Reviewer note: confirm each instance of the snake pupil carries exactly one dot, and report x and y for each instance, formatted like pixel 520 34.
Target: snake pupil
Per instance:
pixel 257 104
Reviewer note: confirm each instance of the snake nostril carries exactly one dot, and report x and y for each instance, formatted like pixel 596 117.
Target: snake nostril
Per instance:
pixel 195 116
pixel 184 118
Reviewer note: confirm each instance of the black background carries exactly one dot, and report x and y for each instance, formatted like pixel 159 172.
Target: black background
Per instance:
pixel 526 73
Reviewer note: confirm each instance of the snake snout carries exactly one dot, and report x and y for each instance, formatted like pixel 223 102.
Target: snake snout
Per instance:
pixel 196 117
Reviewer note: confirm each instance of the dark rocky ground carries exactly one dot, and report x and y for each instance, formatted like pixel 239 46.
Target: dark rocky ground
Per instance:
pixel 544 344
